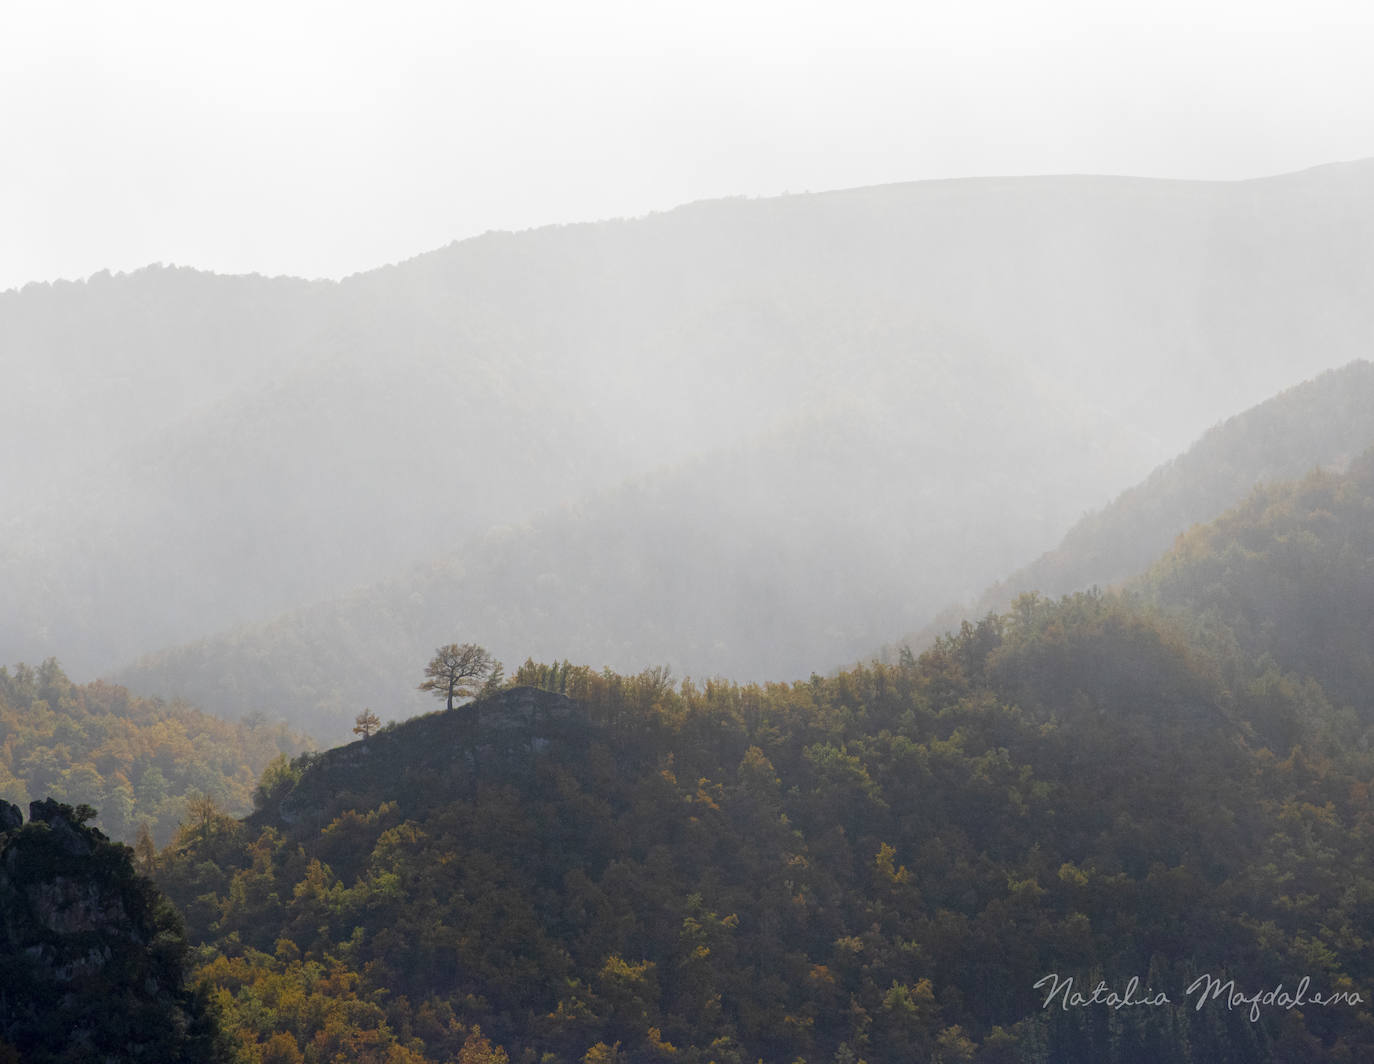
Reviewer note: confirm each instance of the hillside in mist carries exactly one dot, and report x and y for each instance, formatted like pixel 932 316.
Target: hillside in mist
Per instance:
pixel 845 386
pixel 1319 424
pixel 1287 576
pixel 755 561
pixel 880 864
pixel 139 761
pixel 1172 779
pixel 623 580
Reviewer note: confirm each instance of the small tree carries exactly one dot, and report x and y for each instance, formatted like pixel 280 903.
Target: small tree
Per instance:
pixel 365 723
pixel 203 812
pixel 479 1050
pixel 145 850
pixel 457 671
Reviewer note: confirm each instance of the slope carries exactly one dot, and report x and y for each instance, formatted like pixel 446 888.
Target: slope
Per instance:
pixel 753 562
pixel 139 761
pixel 92 958
pixel 883 863
pixel 1322 423
pixel 387 418
pixel 1288 576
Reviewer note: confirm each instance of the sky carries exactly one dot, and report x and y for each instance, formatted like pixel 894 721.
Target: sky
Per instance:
pixel 323 139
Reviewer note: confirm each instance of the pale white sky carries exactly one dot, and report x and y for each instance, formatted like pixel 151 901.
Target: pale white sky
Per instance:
pixel 322 139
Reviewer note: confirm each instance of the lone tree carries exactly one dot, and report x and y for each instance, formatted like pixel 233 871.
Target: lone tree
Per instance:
pixel 365 723
pixel 458 671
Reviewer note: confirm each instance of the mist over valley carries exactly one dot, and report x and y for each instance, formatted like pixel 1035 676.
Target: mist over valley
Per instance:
pixel 751 438
pixel 754 533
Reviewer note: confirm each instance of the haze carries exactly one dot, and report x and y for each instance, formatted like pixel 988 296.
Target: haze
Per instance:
pixel 755 435
pixel 323 139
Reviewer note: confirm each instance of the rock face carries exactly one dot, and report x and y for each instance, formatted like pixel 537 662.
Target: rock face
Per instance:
pixel 500 733
pixel 63 822
pixel 11 819
pixel 523 708
pixel 90 954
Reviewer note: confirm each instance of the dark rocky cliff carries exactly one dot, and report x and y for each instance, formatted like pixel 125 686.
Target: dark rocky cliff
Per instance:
pixel 91 955
pixel 499 734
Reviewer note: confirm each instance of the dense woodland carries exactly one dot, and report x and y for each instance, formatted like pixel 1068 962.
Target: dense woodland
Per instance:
pixel 876 865
pixel 748 438
pixel 136 760
pixel 1288 576
pixel 1163 783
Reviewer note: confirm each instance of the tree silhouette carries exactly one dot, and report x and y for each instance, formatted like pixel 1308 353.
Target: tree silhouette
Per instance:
pixel 366 723
pixel 457 671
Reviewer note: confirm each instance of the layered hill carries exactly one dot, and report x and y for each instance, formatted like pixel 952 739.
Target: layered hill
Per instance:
pixel 1320 424
pixel 623 579
pixel 751 562
pixel 1162 793
pixel 271 443
pixel 882 864
pixel 139 761
pixel 1287 576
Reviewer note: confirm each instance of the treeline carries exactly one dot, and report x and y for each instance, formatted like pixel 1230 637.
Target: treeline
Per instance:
pixel 1288 576
pixel 136 760
pixel 878 865
pixel 1323 423
pixel 590 581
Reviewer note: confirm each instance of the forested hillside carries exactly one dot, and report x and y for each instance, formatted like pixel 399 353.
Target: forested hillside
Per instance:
pixel 1288 576
pixel 92 958
pixel 879 865
pixel 1319 424
pixel 743 437
pixel 1166 784
pixel 138 761
pixel 262 444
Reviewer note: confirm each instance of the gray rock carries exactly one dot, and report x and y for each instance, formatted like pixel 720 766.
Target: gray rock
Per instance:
pixel 56 815
pixel 45 811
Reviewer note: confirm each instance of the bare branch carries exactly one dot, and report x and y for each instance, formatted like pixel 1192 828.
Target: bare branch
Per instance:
pixel 457 671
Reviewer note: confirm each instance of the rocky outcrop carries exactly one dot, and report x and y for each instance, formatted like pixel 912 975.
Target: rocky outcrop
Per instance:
pixel 502 733
pixel 524 707
pixel 11 819
pixel 63 822
pixel 90 953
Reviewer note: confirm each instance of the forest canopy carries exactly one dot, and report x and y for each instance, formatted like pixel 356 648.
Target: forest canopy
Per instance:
pixel 1164 784
pixel 879 865
pixel 136 760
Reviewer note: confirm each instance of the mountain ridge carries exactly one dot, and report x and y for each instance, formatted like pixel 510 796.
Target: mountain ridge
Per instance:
pixel 1324 422
pixel 401 414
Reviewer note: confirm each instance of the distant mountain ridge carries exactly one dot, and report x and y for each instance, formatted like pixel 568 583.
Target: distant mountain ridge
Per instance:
pixel 139 761
pixel 1287 575
pixel 1323 423
pixel 325 436
pixel 696 566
